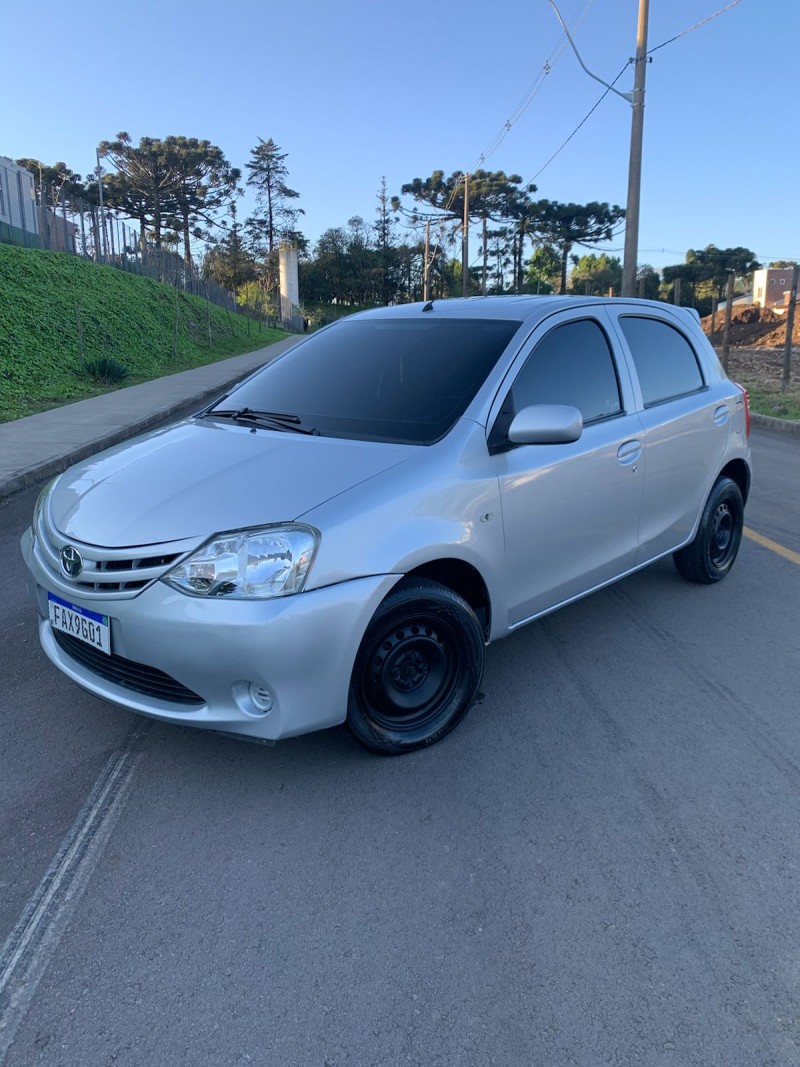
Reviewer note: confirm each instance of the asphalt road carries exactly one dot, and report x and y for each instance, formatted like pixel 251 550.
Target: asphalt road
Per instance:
pixel 601 865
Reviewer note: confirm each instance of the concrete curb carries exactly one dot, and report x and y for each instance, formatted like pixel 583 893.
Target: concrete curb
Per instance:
pixel 768 422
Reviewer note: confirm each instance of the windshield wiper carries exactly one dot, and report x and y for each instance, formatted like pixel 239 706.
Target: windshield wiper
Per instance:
pixel 277 420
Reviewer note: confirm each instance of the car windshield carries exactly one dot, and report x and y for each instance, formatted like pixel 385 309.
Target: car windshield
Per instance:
pixel 380 379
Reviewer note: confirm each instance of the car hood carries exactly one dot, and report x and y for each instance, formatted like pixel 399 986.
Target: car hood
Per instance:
pixel 200 478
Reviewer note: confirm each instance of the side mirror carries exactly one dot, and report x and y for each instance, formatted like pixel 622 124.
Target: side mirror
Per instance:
pixel 546 424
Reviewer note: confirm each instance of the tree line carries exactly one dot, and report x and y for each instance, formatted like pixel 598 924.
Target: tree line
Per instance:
pixel 184 193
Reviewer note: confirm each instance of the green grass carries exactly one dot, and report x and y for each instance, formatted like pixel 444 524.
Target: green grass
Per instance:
pixel 59 312
pixel 773 402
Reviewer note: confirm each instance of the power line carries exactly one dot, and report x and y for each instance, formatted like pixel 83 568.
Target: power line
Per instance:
pixel 527 100
pixel 697 25
pixel 683 33
pixel 533 89
pixel 536 85
pixel 760 256
pixel 583 121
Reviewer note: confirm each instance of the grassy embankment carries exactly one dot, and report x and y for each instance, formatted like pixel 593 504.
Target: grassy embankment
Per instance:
pixel 59 313
pixel 773 402
pixel 760 371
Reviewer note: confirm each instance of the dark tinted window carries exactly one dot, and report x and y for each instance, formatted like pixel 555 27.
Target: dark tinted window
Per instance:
pixel 382 379
pixel 571 365
pixel 665 361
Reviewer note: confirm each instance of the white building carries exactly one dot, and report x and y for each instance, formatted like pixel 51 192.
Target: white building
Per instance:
pixel 770 286
pixel 17 198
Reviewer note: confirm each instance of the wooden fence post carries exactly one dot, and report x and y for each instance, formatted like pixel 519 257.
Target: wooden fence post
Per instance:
pixel 787 350
pixel 726 341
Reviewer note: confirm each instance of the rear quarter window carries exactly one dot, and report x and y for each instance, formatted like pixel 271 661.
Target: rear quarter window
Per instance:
pixel 665 361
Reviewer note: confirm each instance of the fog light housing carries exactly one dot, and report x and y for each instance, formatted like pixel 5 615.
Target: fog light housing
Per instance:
pixel 261 698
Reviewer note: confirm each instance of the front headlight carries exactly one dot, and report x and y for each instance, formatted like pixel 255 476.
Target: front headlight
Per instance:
pixel 249 564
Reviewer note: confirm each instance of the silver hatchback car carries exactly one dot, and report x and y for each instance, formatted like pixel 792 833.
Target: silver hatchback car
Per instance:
pixel 338 538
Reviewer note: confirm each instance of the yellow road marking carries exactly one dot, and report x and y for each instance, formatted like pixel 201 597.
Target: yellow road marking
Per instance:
pixel 773 546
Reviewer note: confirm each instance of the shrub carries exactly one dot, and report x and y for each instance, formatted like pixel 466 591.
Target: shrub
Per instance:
pixel 107 370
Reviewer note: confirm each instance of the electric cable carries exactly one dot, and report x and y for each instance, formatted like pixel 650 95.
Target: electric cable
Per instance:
pixel 583 122
pixel 536 85
pixel 533 89
pixel 697 25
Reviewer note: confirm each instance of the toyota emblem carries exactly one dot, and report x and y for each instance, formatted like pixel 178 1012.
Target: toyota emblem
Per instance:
pixel 71 562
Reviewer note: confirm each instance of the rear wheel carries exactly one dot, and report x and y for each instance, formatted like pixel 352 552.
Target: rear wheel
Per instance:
pixel 417 671
pixel 710 556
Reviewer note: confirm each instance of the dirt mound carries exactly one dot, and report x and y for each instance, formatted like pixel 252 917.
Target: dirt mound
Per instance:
pixel 753 313
pixel 777 337
pixel 752 327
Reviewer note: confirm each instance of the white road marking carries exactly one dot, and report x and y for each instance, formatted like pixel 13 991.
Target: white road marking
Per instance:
pixel 32 943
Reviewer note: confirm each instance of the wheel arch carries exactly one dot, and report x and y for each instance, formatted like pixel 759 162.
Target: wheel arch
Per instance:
pixel 463 579
pixel 739 471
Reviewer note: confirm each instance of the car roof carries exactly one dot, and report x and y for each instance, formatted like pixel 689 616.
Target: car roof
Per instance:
pixel 515 308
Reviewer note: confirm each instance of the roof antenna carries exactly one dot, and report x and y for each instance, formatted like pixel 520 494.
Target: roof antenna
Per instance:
pixel 428 306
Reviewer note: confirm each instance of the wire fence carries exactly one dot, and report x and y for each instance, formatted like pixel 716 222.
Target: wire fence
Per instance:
pixel 62 223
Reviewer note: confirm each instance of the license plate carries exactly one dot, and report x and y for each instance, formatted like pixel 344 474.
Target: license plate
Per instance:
pixel 87 626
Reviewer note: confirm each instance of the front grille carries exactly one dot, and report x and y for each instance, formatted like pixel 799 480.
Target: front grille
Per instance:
pixel 107 572
pixel 125 672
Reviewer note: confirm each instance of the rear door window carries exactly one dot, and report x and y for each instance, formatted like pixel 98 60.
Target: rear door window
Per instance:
pixel 665 362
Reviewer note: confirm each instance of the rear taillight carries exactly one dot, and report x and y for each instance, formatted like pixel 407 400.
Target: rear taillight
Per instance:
pixel 746 410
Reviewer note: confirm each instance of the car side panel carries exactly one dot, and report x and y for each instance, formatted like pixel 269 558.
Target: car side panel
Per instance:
pixel 570 511
pixel 685 439
pixel 685 446
pixel 570 514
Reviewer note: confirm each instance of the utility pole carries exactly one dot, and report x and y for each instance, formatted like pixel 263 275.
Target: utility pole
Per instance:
pixel 102 213
pixel 465 243
pixel 485 256
pixel 636 100
pixel 726 333
pixel 787 351
pixel 426 285
pixel 635 165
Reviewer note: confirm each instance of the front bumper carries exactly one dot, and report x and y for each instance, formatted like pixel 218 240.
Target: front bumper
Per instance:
pixel 301 648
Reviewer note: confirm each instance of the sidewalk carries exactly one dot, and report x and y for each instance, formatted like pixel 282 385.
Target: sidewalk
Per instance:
pixel 40 446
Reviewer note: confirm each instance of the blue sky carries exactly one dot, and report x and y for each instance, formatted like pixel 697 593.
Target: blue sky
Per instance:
pixel 357 89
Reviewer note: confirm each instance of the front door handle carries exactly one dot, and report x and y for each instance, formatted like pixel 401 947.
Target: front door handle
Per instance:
pixel 629 452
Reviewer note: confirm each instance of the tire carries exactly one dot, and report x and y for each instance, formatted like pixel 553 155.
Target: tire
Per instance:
pixel 710 556
pixel 417 670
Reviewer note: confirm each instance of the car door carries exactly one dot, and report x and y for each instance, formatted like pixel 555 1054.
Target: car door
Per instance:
pixel 570 511
pixel 686 421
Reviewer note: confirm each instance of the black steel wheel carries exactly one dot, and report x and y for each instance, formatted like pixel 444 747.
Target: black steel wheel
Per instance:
pixel 710 555
pixel 417 671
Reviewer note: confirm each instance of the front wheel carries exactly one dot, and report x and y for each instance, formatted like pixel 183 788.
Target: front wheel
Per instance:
pixel 710 556
pixel 417 671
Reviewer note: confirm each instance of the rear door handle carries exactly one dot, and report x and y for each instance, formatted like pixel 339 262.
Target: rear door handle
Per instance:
pixel 629 452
